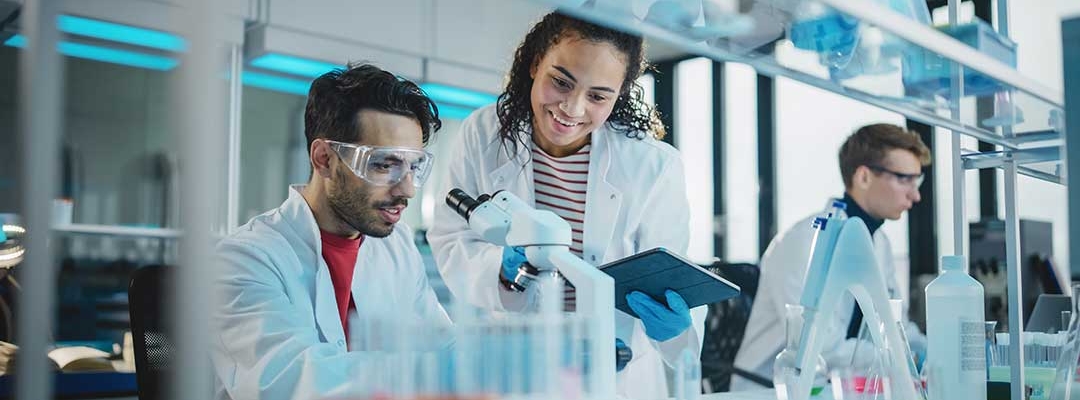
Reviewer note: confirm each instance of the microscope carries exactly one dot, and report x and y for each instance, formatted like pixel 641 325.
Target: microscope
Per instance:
pixel 842 260
pixel 504 219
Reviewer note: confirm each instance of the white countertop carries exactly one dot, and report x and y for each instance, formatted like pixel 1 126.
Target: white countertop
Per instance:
pixel 765 394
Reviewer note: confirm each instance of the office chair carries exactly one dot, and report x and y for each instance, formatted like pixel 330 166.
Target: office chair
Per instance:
pixel 153 351
pixel 724 328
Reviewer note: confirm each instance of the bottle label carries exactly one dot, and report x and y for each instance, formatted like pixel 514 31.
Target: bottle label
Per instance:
pixel 972 347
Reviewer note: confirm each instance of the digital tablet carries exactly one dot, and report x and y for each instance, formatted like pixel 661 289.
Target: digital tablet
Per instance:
pixel 654 271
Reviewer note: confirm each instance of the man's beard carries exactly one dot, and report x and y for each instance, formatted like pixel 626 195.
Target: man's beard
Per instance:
pixel 353 207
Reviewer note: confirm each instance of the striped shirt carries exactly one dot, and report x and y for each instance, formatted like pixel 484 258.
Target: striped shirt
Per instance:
pixel 559 184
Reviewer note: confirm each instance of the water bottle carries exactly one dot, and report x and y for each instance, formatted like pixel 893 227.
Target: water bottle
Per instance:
pixel 955 330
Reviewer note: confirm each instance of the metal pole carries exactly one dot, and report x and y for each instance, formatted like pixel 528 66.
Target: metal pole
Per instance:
pixel 200 128
pixel 236 90
pixel 42 71
pixel 1012 246
pixel 956 92
pixel 1015 306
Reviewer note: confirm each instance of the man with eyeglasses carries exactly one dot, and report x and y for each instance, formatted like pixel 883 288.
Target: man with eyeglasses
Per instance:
pixel 302 285
pixel 881 166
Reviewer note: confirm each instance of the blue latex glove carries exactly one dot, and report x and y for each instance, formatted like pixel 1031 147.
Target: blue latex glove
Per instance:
pixel 512 258
pixel 623 354
pixel 661 322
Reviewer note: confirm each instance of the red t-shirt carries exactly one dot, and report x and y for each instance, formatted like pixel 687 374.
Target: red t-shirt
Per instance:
pixel 340 255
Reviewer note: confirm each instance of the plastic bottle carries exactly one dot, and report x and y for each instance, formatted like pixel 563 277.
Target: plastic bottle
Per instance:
pixel 955 328
pixel 834 36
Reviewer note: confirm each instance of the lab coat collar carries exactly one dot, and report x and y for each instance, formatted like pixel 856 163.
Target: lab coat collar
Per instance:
pixel 515 172
pixel 298 213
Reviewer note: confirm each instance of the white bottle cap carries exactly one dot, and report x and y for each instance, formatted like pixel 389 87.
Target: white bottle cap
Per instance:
pixel 953 263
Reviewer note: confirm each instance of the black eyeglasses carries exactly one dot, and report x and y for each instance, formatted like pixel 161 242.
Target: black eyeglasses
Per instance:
pixel 913 180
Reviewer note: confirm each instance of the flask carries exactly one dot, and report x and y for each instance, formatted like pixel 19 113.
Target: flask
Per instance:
pixel 786 364
pixel 955 328
pixel 909 358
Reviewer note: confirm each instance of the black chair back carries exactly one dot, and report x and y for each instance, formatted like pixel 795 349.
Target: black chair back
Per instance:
pixel 147 304
pixel 724 328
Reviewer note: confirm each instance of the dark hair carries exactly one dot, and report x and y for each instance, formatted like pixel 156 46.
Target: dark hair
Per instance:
pixel 337 97
pixel 868 145
pixel 630 114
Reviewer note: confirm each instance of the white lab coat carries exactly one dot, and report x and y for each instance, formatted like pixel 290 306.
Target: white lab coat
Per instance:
pixel 635 201
pixel 783 270
pixel 279 335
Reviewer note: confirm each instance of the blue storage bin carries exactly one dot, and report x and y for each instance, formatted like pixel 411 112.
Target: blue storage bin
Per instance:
pixel 927 73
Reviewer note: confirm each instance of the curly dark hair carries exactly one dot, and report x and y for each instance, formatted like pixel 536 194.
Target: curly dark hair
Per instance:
pixel 337 97
pixel 630 114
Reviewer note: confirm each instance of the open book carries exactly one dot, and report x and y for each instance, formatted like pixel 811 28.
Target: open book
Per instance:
pixel 80 358
pixel 67 359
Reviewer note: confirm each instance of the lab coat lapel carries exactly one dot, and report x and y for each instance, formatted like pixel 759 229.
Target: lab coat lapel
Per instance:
pixel 326 315
pixel 297 211
pixel 602 200
pixel 326 312
pixel 371 266
pixel 515 174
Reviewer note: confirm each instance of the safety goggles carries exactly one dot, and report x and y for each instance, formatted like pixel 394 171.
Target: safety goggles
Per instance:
pixel 911 180
pixel 384 166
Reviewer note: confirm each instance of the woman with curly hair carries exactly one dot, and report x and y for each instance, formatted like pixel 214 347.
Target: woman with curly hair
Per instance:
pixel 571 134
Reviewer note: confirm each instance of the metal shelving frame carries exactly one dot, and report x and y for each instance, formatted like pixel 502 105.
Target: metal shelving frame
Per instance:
pixel 1019 151
pixel 115 230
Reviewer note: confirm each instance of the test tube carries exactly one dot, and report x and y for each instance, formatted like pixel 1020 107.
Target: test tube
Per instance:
pixel 547 363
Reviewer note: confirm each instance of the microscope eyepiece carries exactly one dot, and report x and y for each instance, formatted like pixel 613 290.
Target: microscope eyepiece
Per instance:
pixel 462 203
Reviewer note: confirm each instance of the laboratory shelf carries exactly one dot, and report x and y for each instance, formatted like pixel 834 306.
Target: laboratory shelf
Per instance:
pixel 1042 163
pixel 862 50
pixel 114 230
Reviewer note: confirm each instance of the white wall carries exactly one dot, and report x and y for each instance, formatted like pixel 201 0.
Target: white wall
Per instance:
pixel 740 164
pixel 694 138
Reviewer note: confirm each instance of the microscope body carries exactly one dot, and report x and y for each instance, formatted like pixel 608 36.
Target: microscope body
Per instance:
pixel 843 260
pixel 504 219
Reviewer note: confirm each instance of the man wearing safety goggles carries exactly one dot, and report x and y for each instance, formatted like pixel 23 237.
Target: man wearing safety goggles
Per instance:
pixel 881 166
pixel 300 283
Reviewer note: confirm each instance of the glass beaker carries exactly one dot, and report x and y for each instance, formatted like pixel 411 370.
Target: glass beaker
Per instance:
pixel 909 359
pixel 785 367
